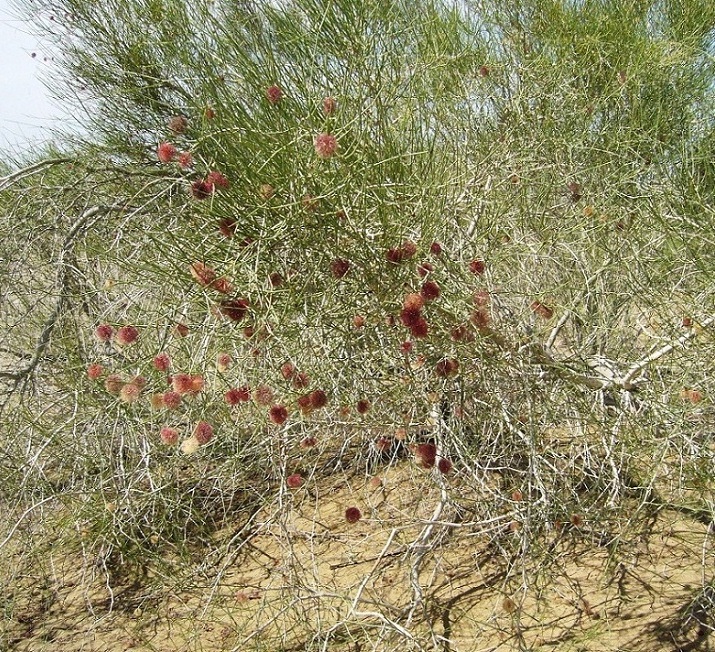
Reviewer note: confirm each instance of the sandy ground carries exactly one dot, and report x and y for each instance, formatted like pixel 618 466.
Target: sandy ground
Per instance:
pixel 308 580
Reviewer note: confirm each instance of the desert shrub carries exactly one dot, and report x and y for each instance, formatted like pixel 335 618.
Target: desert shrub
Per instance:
pixel 303 238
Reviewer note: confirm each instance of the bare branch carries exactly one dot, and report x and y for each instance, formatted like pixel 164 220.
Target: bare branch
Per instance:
pixel 81 223
pixel 19 175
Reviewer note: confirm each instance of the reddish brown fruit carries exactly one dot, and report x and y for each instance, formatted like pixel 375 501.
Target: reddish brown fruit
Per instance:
pixel 278 414
pixel 545 312
pixel 426 455
pixel 294 481
pixel 444 465
pixel 430 291
pixel 287 370
pixel 413 302
pixel 203 432
pixel 477 267
pixel 318 399
pixel 423 269
pixel 234 309
pixel 420 329
pixel 339 267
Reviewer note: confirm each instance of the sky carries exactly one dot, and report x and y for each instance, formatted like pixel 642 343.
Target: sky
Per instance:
pixel 26 110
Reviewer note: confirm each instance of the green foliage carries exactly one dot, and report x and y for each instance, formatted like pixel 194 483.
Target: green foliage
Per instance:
pixel 566 145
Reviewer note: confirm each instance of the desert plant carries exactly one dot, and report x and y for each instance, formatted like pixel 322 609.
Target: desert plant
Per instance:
pixel 306 238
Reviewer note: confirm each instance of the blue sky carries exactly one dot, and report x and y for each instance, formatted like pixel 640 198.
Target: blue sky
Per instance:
pixel 26 111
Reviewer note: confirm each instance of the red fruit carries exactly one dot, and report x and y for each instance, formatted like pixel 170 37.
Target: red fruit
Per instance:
pixel 287 370
pixel 197 384
pixel 462 333
pixel 339 267
pixel 308 442
pixel 139 381
pixel 483 71
pixel 162 362
pixel 410 317
pixel 383 444
pixel 540 309
pixel 294 481
pixel 227 227
pixel 326 145
pixel 237 395
pixel 202 273
pixel 104 332
pixel 168 435
pixel 274 94
pixel 182 330
pixel 263 395
pixel 692 395
pixel 95 371
pixel 301 380
pixel 419 329
pixel 413 302
pixel 430 290
pixel 114 383
pixel 352 515
pixel 406 346
pixel 200 189
pixel 363 406
pixel 424 268
pixel 185 160
pixel 426 455
pixel 126 335
pixel 480 318
pixel 481 298
pixel 203 432
pixel 330 105
pixel 304 404
pixel 171 400
pixel 166 152
pixel 318 399
pixel 182 383
pixel 278 414
pixel 435 248
pixel 477 267
pixel 446 367
pixel 444 465
pixel 394 255
pixel 178 124
pixel 217 180
pixel 275 279
pixel 409 249
pixel 222 285
pixel 358 321
pixel 223 361
pixel 234 309
pixel 130 393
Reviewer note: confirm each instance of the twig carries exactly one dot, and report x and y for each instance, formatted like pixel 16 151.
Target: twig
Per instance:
pixel 627 381
pixel 555 331
pixel 22 518
pixel 421 547
pixel 8 180
pixel 82 222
